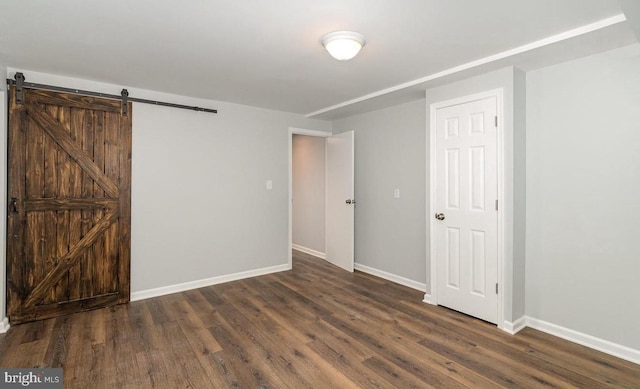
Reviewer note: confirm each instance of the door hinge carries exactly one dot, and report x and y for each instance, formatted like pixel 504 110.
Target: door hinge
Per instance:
pixel 496 121
pixel 496 288
pixel 496 205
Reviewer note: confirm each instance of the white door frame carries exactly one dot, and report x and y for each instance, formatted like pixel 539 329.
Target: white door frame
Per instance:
pixel 431 149
pixel 300 131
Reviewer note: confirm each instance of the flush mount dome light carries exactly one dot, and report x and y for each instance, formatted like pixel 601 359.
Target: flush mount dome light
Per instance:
pixel 343 45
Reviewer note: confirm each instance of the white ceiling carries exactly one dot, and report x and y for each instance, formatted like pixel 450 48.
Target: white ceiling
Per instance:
pixel 268 53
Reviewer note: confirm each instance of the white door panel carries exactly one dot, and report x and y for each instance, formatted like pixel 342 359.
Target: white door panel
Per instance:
pixel 466 192
pixel 340 188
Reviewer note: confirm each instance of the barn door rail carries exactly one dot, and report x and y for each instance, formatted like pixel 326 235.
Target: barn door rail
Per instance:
pixel 20 83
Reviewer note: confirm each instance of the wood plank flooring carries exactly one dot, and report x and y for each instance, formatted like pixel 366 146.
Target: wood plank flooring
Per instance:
pixel 313 327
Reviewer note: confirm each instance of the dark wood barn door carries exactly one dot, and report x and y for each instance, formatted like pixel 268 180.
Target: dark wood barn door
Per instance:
pixel 68 229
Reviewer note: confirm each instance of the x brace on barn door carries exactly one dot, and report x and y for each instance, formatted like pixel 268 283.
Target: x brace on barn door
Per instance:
pixel 20 83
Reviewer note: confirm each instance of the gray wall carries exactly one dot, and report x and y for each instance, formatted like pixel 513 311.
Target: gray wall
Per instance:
pixel 390 154
pixel 631 9
pixel 583 208
pixel 308 186
pixel 200 207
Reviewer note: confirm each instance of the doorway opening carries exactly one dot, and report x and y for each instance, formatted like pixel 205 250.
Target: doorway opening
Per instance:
pixel 308 171
pixel 307 139
pixel 305 208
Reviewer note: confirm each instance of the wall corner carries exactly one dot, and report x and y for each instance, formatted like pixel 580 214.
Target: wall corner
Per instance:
pixel 519 192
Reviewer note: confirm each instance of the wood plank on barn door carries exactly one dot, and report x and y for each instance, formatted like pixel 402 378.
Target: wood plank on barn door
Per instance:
pixel 98 246
pixel 86 280
pixel 75 214
pixel 16 214
pixel 124 236
pixel 69 231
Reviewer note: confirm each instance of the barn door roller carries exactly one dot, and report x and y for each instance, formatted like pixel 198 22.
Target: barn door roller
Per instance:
pixel 125 96
pixel 20 84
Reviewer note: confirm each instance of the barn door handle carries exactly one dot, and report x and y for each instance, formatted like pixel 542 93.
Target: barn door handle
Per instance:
pixel 13 205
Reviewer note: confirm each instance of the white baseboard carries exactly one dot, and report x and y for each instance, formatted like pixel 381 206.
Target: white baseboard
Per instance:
pixel 427 299
pixel 4 325
pixel 309 251
pixel 515 326
pixel 155 292
pixel 605 346
pixel 391 277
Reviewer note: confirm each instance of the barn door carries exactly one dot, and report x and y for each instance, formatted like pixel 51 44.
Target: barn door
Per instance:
pixel 68 229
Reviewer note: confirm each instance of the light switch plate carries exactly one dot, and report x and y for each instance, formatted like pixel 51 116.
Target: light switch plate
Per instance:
pixel 396 194
pixel 269 184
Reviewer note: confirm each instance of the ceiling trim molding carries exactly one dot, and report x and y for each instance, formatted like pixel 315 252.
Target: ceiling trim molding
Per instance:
pixel 588 28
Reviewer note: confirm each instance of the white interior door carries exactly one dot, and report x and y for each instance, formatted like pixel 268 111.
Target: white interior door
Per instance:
pixel 466 207
pixel 340 200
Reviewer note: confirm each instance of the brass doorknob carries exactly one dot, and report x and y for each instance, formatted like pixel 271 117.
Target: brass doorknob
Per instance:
pixel 440 216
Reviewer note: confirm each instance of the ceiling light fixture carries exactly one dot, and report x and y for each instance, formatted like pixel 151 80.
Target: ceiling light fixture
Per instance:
pixel 343 45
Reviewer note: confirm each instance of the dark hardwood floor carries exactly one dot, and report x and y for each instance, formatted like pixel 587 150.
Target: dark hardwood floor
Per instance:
pixel 313 327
